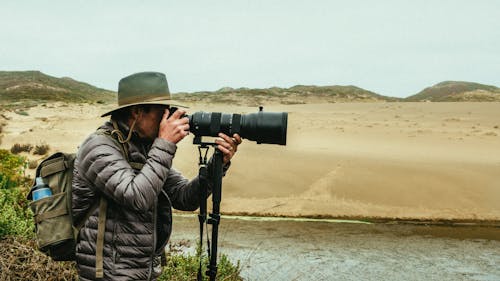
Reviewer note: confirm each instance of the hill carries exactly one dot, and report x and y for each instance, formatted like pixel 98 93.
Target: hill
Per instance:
pixel 31 87
pixel 299 94
pixel 457 91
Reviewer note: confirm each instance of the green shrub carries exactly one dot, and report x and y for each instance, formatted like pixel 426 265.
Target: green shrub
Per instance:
pixel 184 267
pixel 16 217
pixel 11 169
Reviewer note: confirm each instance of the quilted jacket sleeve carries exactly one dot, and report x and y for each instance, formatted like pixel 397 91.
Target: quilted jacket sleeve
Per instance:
pixel 103 164
pixel 184 194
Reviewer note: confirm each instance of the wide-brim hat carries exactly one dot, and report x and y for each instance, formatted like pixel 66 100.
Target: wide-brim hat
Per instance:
pixel 143 88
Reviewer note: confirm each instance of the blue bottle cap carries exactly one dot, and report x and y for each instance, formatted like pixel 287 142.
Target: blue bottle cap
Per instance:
pixel 39 181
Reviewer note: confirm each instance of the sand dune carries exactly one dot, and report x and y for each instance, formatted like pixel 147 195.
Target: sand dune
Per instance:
pixel 390 160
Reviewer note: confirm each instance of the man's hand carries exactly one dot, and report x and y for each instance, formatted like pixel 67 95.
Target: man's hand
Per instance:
pixel 228 146
pixel 175 128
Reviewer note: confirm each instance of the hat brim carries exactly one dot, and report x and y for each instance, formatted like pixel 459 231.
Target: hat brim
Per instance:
pixel 158 102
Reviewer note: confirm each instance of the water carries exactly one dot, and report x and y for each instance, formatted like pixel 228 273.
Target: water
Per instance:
pixel 270 249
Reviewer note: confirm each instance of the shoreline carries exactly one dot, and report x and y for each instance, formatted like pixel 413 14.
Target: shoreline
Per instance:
pixel 353 220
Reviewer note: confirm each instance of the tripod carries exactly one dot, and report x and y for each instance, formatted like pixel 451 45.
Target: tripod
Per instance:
pixel 214 217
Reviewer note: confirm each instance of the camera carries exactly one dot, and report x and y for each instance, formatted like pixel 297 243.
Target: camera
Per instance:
pixel 261 127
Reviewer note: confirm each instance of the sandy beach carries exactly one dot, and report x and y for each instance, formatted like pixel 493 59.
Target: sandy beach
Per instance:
pixel 436 161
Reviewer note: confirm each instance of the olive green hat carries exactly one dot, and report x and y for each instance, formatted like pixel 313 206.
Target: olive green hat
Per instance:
pixel 143 88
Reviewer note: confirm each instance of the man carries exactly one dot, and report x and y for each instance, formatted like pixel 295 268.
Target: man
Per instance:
pixel 124 179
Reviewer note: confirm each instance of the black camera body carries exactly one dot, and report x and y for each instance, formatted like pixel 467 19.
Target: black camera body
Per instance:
pixel 262 127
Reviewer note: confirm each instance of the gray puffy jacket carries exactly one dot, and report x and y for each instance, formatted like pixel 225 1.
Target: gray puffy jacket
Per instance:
pixel 139 215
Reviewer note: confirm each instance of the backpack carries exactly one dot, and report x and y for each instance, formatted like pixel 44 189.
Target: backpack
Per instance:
pixel 56 233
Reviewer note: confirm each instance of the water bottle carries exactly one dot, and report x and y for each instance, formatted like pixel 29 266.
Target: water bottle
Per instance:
pixel 40 190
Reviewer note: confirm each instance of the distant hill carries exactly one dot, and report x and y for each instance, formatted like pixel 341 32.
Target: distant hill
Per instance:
pixel 30 87
pixel 27 88
pixel 457 91
pixel 294 95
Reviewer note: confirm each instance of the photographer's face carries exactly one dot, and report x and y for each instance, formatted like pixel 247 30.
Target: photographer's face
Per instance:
pixel 148 122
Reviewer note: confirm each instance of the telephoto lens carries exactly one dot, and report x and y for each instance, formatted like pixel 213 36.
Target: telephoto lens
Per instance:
pixel 262 127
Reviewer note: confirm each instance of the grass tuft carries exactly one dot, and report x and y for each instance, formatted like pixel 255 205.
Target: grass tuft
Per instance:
pixel 41 149
pixel 18 148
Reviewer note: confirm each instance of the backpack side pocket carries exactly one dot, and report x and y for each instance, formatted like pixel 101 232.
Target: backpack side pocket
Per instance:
pixel 54 230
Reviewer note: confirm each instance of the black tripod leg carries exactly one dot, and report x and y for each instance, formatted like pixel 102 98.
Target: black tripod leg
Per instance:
pixel 215 216
pixel 202 217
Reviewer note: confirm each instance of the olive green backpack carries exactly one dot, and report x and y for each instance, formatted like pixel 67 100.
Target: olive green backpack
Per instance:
pixel 55 234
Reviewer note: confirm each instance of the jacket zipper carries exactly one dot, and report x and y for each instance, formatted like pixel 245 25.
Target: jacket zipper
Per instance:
pixel 113 247
pixel 154 240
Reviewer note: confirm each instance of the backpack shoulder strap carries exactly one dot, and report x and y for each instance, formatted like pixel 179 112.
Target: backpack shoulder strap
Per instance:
pixel 99 268
pixel 103 204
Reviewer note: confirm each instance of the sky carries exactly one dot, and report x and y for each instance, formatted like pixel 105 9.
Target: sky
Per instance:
pixel 392 47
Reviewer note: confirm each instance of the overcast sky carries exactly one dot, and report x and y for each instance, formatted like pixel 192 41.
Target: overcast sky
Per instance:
pixel 394 48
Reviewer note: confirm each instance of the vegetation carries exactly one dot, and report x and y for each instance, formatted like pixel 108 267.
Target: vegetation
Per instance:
pixel 11 170
pixel 41 149
pixel 15 216
pixel 18 148
pixel 185 267
pixel 21 261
